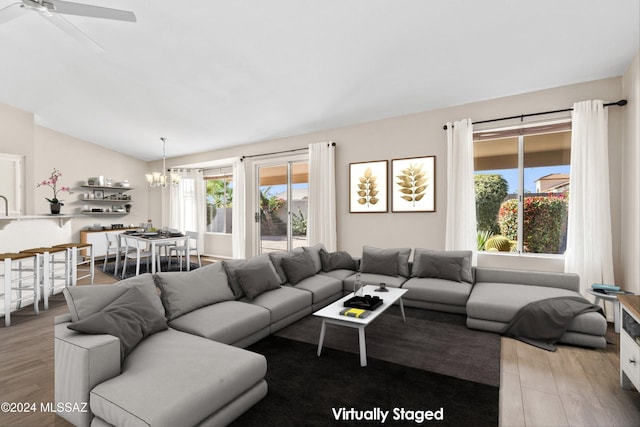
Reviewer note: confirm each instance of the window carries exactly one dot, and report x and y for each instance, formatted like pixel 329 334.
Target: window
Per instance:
pixel 219 195
pixel 522 188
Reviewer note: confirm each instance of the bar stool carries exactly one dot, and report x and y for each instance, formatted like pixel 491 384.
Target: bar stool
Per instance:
pixel 79 259
pixel 13 273
pixel 53 266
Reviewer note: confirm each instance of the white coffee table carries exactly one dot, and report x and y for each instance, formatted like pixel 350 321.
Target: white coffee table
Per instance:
pixel 331 314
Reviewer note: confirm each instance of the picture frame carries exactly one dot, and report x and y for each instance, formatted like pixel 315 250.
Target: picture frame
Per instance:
pixel 413 184
pixel 368 187
pixel 98 194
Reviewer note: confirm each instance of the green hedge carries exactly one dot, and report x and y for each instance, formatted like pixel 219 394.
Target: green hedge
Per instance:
pixel 545 223
pixel 491 190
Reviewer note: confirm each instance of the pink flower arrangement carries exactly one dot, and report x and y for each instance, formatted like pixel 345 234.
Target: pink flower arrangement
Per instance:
pixel 53 183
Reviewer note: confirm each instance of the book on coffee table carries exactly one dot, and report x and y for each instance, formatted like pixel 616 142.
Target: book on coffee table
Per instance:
pixel 355 312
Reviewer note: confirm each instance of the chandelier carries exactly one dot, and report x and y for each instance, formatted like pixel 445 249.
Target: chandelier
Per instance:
pixel 160 179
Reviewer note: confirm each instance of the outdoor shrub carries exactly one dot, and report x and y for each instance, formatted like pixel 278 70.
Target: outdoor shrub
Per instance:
pixel 545 223
pixel 498 243
pixel 491 190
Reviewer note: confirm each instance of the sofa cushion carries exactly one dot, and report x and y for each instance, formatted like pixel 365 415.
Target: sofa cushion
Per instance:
pixel 176 379
pixel 340 260
pixel 83 301
pixel 131 317
pixel 227 322
pixel 381 261
pixel 298 267
pixel 338 274
pixel 232 267
pixel 256 279
pixel 466 273
pixel 314 253
pixel 436 290
pixel 183 292
pixel 283 302
pixel 321 286
pixel 276 260
pixel 437 266
pixel 373 279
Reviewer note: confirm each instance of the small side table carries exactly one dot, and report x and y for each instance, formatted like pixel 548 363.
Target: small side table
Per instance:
pixel 616 306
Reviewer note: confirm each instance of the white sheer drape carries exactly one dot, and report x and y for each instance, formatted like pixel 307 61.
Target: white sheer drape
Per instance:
pixel 238 219
pixel 589 243
pixel 321 227
pixel 461 199
pixel 187 203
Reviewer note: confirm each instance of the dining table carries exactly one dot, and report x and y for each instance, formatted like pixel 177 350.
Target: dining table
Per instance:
pixel 153 240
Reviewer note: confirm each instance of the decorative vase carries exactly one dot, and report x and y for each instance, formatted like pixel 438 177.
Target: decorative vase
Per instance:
pixel 55 208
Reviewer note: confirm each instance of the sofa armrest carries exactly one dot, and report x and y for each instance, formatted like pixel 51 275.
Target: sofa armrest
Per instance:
pixel 569 281
pixel 82 361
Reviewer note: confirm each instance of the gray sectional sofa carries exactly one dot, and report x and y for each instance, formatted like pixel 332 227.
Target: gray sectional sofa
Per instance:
pixel 167 349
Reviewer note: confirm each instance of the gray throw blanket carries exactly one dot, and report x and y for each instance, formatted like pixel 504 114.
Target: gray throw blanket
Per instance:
pixel 542 323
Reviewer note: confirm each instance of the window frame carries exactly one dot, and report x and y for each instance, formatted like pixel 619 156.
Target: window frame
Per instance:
pixel 522 131
pixel 223 173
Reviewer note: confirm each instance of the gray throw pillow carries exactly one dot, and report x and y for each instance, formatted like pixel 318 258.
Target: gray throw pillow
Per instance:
pixel 233 266
pixel 438 266
pixel 131 317
pixel 337 261
pixel 401 254
pixel 376 262
pixel 298 267
pixel 183 292
pixel 257 279
pixel 84 301
pixel 314 253
pixel 466 273
pixel 276 259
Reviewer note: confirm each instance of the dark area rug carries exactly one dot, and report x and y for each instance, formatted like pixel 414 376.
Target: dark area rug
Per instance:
pixel 307 390
pixel 131 267
pixel 429 340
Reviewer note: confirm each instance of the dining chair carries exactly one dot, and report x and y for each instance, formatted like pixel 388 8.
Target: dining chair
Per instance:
pixel 115 246
pixel 186 249
pixel 135 249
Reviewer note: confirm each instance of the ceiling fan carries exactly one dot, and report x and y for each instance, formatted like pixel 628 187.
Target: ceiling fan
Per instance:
pixel 52 11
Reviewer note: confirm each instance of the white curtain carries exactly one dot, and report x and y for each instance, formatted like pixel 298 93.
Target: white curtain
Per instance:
pixel 238 219
pixel 461 199
pixel 589 243
pixel 321 226
pixel 187 203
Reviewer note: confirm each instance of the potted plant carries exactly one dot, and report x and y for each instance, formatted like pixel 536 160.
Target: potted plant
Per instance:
pixel 52 181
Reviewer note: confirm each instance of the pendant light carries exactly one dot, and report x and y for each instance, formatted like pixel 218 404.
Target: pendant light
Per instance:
pixel 160 179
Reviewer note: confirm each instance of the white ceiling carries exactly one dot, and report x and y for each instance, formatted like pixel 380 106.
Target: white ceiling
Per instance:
pixel 216 73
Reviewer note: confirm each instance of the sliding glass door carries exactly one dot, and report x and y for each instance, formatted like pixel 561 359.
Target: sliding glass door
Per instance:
pixel 282 205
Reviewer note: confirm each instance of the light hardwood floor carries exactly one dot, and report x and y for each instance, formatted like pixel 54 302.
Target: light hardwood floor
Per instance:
pixel 571 387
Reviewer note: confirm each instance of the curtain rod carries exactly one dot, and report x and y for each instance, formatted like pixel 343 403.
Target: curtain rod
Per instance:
pixel 333 144
pixel 620 103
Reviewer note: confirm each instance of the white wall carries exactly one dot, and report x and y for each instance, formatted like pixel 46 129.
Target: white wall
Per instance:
pixel 630 204
pixel 421 135
pixel 45 149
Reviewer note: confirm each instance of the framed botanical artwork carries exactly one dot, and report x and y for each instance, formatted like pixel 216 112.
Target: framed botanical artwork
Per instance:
pixel 368 187
pixel 413 182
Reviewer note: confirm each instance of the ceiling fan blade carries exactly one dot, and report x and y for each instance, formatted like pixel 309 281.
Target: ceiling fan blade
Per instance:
pixel 11 12
pixel 66 26
pixel 70 8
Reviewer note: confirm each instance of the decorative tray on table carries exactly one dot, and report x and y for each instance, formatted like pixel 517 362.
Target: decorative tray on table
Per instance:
pixel 366 302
